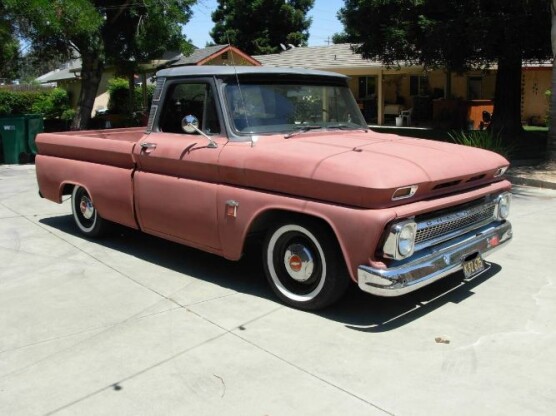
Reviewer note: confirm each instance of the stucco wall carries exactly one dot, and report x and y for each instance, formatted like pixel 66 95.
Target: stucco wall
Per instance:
pixel 102 93
pixel 534 102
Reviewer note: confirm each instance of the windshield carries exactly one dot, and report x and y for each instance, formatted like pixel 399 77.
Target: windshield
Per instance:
pixel 283 108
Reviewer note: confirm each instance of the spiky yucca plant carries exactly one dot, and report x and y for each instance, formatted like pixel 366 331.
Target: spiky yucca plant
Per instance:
pixel 483 139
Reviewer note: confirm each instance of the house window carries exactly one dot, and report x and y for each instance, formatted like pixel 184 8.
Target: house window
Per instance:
pixel 367 87
pixel 474 88
pixel 418 85
pixel 225 56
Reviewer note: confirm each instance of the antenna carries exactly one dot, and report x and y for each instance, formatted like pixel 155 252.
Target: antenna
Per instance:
pixel 242 99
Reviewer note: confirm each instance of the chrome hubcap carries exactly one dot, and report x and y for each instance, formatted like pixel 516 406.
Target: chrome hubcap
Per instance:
pixel 299 262
pixel 86 207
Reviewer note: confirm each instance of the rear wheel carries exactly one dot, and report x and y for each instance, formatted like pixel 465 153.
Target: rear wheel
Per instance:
pixel 85 214
pixel 303 265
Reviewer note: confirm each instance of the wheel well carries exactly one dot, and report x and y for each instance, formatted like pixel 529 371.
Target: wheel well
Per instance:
pixel 67 189
pixel 264 221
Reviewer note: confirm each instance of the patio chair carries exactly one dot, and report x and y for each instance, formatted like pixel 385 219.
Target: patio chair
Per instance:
pixel 406 117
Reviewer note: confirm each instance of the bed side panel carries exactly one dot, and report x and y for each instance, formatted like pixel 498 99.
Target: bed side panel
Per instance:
pixel 110 187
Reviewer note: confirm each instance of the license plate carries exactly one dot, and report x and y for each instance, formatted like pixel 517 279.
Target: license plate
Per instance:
pixel 473 267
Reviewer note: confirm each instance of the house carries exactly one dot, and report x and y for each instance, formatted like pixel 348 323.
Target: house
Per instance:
pixel 68 76
pixel 429 96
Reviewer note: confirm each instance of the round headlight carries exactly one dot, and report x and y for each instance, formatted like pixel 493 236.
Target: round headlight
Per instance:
pixel 504 202
pixel 406 239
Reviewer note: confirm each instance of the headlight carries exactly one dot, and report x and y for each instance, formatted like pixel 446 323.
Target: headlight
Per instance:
pixel 406 240
pixel 400 242
pixel 503 205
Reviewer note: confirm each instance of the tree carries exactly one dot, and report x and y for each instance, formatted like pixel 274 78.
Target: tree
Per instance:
pixel 9 46
pixel 122 33
pixel 38 61
pixel 259 27
pixel 457 35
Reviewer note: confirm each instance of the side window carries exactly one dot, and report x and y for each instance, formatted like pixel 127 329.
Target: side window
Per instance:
pixel 192 98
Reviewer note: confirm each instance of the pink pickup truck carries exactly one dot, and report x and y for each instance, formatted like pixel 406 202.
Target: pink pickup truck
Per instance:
pixel 284 155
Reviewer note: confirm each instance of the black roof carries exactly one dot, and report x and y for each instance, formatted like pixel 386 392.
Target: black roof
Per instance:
pixel 215 70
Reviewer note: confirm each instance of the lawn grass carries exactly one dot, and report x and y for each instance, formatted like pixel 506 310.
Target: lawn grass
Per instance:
pixel 536 128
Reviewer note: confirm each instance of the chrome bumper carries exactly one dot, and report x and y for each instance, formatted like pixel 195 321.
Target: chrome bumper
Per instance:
pixel 434 263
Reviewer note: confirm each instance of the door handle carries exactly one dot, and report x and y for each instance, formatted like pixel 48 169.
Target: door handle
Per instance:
pixel 148 146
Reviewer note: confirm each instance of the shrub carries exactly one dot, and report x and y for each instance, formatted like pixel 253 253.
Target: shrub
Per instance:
pixel 18 102
pixel 483 139
pixel 118 89
pixel 51 103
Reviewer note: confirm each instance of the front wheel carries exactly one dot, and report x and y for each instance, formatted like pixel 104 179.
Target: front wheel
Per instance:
pixel 304 266
pixel 85 214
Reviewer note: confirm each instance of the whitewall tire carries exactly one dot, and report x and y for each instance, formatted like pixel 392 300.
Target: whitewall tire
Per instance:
pixel 85 215
pixel 303 265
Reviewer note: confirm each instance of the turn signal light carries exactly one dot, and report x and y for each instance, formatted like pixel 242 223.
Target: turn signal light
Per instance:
pixel 405 192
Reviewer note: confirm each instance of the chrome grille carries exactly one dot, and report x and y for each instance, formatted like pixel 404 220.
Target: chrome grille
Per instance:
pixel 459 221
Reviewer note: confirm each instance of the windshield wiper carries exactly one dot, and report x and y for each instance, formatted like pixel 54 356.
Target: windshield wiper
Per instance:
pixel 346 127
pixel 302 129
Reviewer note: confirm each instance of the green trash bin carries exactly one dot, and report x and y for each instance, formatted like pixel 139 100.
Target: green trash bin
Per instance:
pixel 13 135
pixel 17 137
pixel 35 125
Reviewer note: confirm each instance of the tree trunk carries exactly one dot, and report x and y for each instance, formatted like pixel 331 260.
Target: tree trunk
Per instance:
pixel 506 118
pixel 91 73
pixel 551 150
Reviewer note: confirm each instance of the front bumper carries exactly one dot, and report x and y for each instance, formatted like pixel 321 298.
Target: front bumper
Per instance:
pixel 434 263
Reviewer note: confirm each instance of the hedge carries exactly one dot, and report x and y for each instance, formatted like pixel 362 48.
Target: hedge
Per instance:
pixel 53 103
pixel 118 90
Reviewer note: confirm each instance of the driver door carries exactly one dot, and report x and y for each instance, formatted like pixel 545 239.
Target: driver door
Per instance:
pixel 176 182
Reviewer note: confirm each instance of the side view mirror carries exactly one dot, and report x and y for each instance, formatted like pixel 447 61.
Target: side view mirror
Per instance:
pixel 190 124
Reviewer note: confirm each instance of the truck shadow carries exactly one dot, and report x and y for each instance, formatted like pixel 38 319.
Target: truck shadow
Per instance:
pixel 245 276
pixel 362 312
pixel 356 310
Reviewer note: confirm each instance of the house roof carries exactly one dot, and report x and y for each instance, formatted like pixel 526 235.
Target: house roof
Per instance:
pixel 202 56
pixel 66 71
pixel 340 56
pixel 332 56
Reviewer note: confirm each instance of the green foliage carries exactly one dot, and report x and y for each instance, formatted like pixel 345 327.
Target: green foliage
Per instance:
pixel 139 31
pixel 483 139
pixel 118 90
pixel 9 47
pixel 258 27
pixel 18 102
pixel 456 34
pixel 51 103
pixel 123 34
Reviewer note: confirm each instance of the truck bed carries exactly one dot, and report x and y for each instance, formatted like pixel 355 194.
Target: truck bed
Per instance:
pixel 107 147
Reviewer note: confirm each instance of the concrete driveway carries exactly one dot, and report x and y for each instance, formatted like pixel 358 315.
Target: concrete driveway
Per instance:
pixel 134 325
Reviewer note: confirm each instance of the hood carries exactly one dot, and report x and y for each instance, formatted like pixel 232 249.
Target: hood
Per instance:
pixel 358 169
